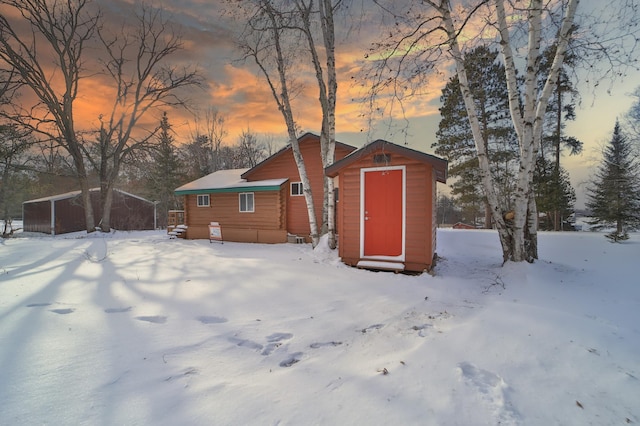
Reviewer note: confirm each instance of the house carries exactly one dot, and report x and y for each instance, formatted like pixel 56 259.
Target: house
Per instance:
pixel 386 213
pixel 264 204
pixel 63 213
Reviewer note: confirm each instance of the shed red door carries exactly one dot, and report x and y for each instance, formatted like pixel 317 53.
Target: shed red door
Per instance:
pixel 383 213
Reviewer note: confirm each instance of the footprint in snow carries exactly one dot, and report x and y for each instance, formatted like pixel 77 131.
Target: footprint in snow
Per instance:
pixel 62 311
pixel 156 319
pixel 275 341
pixel 323 344
pixel 278 337
pixel 118 310
pixel 205 319
pixel 492 389
pixel 245 343
pixel 293 359
pixel 372 327
pixel 37 305
pixel 422 329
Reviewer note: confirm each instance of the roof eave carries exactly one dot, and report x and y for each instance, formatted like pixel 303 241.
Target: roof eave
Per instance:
pixel 439 165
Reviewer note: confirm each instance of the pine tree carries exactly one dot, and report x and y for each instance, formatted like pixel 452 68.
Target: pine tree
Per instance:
pixel 164 172
pixel 613 195
pixel 455 140
pixel 555 196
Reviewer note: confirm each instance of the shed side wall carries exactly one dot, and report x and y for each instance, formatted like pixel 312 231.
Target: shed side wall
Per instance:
pixel 70 214
pixel 130 213
pixel 37 217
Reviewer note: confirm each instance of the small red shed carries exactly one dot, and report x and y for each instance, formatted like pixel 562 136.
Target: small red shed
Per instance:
pixel 386 207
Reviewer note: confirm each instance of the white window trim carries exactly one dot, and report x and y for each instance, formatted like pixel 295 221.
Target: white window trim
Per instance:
pixel 300 185
pixel 203 205
pixel 253 202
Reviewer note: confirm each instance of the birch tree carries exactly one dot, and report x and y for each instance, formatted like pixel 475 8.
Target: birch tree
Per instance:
pixel 277 38
pixel 328 87
pixel 49 61
pixel 268 42
pixel 431 34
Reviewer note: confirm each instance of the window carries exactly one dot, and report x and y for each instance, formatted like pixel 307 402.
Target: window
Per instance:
pixel 203 200
pixel 246 202
pixel 296 188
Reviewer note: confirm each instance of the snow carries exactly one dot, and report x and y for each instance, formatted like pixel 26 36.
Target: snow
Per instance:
pixel 136 328
pixel 224 180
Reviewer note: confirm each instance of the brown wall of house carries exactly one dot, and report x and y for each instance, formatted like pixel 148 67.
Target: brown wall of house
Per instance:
pixel 420 231
pixel 267 224
pixel 283 166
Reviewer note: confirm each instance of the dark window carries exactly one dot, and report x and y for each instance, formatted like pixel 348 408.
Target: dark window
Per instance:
pixel 203 200
pixel 296 188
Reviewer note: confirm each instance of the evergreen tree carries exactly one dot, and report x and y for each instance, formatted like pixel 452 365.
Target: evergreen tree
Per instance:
pixel 613 196
pixel 554 195
pixel 164 173
pixel 455 141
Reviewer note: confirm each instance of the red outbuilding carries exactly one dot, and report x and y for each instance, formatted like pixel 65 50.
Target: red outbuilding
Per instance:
pixel 386 207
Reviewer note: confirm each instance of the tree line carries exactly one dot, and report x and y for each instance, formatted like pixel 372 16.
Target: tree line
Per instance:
pixel 32 169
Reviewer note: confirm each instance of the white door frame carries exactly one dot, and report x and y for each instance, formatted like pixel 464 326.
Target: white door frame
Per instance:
pixel 401 257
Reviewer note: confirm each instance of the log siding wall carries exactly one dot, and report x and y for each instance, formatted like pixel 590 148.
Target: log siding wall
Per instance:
pixel 266 224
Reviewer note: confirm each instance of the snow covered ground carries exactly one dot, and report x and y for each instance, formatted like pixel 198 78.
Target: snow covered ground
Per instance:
pixel 137 329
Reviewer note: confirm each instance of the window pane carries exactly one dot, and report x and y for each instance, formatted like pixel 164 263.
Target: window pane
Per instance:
pixel 246 202
pixel 296 188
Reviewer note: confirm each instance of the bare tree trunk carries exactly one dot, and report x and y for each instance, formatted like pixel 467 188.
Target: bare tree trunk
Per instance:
pixel 149 83
pixel 106 196
pixel 65 27
pixel 487 216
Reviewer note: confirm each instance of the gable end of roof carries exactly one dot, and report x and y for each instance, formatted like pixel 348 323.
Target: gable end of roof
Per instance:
pixel 439 165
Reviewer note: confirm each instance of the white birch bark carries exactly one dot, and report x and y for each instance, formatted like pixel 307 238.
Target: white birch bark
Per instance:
pixel 518 232
pixel 474 121
pixel 328 87
pixel 283 100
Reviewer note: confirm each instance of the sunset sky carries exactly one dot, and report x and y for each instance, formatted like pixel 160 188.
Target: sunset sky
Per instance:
pixel 242 97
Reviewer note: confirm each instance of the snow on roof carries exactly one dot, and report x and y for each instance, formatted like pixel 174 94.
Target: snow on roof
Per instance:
pixel 72 194
pixel 66 195
pixel 227 180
